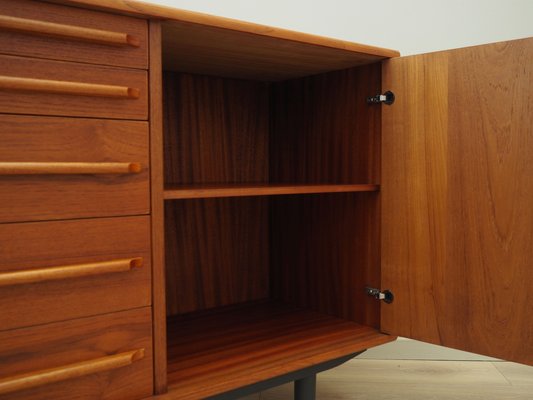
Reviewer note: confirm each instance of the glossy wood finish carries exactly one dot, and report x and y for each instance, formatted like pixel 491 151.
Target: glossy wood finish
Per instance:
pixel 43 30
pixel 242 49
pixel 216 130
pixel 30 246
pixel 44 377
pixel 61 272
pixel 325 248
pixel 189 48
pixel 457 189
pixel 68 88
pixel 324 251
pixel 141 8
pixel 17 102
pixel 242 190
pixel 55 346
pixel 220 350
pixel 322 130
pixel 67 168
pixel 216 252
pixel 157 209
pixel 51 141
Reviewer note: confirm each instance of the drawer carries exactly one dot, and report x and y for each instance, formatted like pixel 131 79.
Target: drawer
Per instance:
pixel 59 168
pixel 42 30
pixel 58 270
pixel 42 87
pixel 98 357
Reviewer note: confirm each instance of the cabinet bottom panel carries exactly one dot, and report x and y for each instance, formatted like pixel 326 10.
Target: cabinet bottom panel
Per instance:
pixel 218 350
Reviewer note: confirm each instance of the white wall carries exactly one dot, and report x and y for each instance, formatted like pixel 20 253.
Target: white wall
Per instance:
pixel 411 26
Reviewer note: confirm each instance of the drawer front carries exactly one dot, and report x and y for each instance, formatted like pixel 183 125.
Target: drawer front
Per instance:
pixel 98 357
pixel 58 168
pixel 58 270
pixel 42 87
pixel 36 29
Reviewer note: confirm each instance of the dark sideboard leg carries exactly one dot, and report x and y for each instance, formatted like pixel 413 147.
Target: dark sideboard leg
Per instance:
pixel 304 381
pixel 305 388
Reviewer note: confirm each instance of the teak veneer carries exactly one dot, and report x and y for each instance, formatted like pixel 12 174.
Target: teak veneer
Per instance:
pixel 176 192
pixel 196 207
pixel 240 345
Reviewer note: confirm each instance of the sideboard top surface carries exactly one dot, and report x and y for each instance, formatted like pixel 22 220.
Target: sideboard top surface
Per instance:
pixel 207 44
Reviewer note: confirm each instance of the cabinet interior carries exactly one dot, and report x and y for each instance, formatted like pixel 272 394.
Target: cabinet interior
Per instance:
pixel 256 282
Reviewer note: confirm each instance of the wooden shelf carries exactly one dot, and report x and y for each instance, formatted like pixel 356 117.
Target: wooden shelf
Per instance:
pixel 175 192
pixel 216 351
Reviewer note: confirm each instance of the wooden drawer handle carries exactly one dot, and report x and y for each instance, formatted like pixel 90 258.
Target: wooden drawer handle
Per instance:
pixel 65 87
pixel 68 271
pixel 68 168
pixel 70 371
pixel 41 28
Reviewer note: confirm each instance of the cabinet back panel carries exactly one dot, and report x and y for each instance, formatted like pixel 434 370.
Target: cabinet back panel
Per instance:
pixel 215 129
pixel 216 252
pixel 322 130
pixel 324 251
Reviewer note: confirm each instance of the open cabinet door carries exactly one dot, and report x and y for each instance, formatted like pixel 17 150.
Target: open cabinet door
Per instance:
pixel 457 199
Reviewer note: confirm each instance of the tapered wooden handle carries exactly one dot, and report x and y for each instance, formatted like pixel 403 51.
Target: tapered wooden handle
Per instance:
pixel 68 271
pixel 68 168
pixel 66 87
pixel 41 28
pixel 70 371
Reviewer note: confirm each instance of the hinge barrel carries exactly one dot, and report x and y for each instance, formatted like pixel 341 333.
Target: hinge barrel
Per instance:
pixel 385 98
pixel 385 295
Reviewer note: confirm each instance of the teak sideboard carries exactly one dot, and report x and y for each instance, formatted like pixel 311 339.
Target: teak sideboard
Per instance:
pixel 196 207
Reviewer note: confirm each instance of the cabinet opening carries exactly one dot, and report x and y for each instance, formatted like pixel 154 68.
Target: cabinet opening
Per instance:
pixel 259 285
pixel 228 137
pixel 271 225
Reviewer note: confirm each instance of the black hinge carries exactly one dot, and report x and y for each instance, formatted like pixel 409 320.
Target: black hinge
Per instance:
pixel 385 295
pixel 386 98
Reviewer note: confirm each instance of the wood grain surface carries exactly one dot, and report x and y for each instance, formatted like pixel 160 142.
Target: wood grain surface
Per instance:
pixel 215 130
pixel 243 190
pixel 324 251
pixel 244 344
pixel 157 209
pixel 34 245
pixel 189 47
pixel 68 168
pixel 216 252
pixel 51 86
pixel 325 248
pixel 322 130
pixel 59 344
pixel 51 140
pixel 42 377
pixel 457 193
pixel 278 43
pixel 66 272
pixel 72 49
pixel 37 103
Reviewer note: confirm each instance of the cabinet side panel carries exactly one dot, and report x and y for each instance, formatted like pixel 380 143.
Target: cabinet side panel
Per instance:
pixel 457 190
pixel 325 248
pixel 322 130
pixel 157 210
pixel 324 253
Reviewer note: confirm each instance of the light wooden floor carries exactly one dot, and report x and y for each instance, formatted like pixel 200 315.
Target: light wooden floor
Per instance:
pixel 397 379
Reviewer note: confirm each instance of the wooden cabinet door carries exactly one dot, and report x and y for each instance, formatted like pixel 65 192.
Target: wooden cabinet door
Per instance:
pixel 457 199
